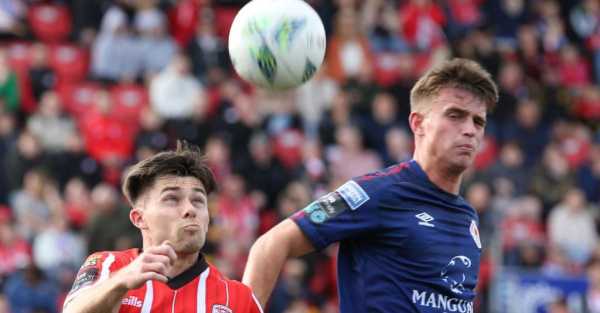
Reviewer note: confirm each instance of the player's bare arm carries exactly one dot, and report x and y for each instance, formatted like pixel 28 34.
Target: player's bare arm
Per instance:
pixel 105 296
pixel 268 255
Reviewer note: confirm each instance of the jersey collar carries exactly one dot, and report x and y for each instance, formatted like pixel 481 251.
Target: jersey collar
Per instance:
pixel 189 274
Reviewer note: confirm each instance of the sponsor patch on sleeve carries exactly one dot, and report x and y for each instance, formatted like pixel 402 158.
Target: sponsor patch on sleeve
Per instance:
pixel 326 207
pixel 353 193
pixel 85 277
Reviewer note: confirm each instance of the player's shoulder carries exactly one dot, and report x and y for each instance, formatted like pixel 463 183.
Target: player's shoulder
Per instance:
pixel 242 296
pixel 389 175
pixel 116 257
pixel 232 285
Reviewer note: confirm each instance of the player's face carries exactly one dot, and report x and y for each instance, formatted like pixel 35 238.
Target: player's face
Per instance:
pixel 454 127
pixel 175 209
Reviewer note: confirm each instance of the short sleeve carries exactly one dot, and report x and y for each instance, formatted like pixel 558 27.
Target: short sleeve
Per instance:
pixel 96 268
pixel 347 212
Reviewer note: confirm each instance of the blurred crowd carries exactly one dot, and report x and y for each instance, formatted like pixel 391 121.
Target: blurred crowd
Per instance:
pixel 89 87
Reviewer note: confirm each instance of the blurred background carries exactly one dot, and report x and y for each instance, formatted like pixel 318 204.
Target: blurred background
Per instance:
pixel 89 87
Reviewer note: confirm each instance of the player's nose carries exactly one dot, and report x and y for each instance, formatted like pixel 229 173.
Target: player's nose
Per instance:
pixel 469 128
pixel 189 210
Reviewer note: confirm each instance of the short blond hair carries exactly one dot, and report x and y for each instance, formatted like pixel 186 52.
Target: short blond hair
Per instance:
pixel 458 73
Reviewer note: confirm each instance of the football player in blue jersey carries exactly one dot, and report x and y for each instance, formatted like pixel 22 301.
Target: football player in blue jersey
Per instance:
pixel 408 241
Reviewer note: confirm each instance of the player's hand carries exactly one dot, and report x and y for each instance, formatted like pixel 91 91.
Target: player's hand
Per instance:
pixel 152 264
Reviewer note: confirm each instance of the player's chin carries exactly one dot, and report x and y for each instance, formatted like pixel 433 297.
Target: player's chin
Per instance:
pixel 191 247
pixel 463 161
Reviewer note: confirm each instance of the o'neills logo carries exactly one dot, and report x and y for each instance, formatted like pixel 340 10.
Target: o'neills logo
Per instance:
pixel 442 302
pixel 133 301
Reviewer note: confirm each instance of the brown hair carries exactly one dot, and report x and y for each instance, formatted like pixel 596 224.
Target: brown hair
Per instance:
pixel 457 73
pixel 186 160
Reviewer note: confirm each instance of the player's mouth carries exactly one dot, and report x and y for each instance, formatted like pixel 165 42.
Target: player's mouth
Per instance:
pixel 192 227
pixel 466 148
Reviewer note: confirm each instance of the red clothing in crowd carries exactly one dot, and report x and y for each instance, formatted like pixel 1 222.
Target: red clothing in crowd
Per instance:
pixel 14 256
pixel 107 137
pixel 422 25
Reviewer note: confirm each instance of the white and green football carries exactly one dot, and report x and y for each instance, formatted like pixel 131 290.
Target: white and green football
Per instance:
pixel 277 44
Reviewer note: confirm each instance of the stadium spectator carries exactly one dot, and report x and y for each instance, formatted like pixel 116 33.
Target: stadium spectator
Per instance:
pixel 41 76
pixel 510 165
pixel 74 161
pixel 398 146
pixel 382 118
pixel 274 176
pixel 422 23
pixel 56 248
pixel 348 158
pixel 237 217
pixel 157 47
pixel 108 139
pixel 340 114
pixel 12 19
pixel 528 129
pixel 109 228
pixel 8 138
pixel 551 179
pixel 15 251
pixel 115 51
pixel 77 203
pixel 30 290
pixel 522 227
pixel 151 137
pixel 206 50
pixel 573 216
pixel 9 88
pixel 592 297
pixel 588 175
pixel 49 125
pixel 175 94
pixel 34 203
pixel 25 154
pixel 313 98
pixel 348 48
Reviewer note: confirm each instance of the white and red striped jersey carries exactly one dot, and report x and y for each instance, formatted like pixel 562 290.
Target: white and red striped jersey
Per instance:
pixel 200 289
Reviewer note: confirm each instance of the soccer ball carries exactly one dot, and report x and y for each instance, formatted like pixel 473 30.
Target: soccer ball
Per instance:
pixel 277 44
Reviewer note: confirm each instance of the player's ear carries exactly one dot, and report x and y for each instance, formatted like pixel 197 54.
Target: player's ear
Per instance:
pixel 136 216
pixel 415 120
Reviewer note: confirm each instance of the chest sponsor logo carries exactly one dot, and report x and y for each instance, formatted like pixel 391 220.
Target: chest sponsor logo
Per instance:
pixel 353 193
pixel 132 301
pixel 441 302
pixel 218 308
pixel 454 274
pixel 425 219
pixel 475 233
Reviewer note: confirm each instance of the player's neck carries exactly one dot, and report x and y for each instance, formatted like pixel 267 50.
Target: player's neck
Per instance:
pixel 183 262
pixel 439 175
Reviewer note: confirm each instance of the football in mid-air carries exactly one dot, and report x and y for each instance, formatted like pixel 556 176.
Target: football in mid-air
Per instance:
pixel 277 44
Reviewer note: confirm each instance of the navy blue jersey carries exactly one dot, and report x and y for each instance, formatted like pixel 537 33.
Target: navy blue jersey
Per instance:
pixel 405 244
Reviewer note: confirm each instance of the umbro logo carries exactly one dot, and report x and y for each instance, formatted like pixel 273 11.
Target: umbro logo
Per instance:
pixel 425 219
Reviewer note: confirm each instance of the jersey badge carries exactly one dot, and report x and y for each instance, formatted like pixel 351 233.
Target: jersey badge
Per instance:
pixel 353 193
pixel 475 233
pixel 218 308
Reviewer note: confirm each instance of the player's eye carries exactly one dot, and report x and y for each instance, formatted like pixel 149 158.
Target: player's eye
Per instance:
pixel 198 201
pixel 170 199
